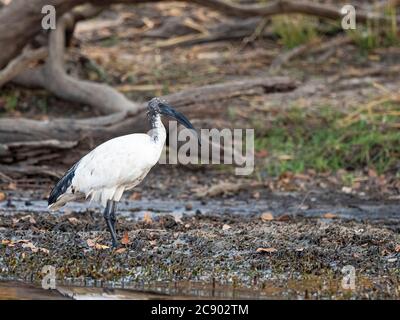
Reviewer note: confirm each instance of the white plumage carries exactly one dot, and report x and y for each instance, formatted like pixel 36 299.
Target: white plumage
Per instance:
pixel 115 166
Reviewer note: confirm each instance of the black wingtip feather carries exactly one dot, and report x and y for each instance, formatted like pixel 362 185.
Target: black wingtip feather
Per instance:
pixel 62 185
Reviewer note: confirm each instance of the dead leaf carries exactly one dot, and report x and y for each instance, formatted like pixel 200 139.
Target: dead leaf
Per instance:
pixel 101 246
pixel 284 217
pixel 268 250
pixel 73 220
pixel 329 215
pixel 12 186
pixel 6 242
pixel 31 246
pixel 372 173
pixel 90 242
pixel 120 250
pixel 125 238
pixel 347 190
pixel 135 196
pixel 177 217
pixel 27 217
pixel 44 250
pixel 384 252
pixel 226 227
pixel 397 248
pixel 267 216
pixel 262 153
pixel 285 157
pixel 147 218
pixel 2 196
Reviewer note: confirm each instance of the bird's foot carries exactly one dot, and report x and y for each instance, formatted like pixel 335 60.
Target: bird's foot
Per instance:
pixel 115 244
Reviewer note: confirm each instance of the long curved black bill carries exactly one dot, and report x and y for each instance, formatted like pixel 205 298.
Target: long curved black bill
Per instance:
pixel 172 113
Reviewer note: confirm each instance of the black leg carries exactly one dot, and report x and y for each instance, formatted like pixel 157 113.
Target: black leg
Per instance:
pixel 112 214
pixel 110 225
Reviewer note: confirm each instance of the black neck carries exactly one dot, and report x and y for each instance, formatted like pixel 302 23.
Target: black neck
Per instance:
pixel 152 117
pixel 156 125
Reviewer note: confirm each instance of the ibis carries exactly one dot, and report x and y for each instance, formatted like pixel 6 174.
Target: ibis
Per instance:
pixel 116 165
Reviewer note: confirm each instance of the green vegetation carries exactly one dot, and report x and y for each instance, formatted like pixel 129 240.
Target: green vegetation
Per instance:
pixel 9 101
pixel 377 34
pixel 109 42
pixel 294 30
pixel 326 140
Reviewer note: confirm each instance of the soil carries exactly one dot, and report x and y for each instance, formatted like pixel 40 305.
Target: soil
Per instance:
pixel 281 245
pixel 289 237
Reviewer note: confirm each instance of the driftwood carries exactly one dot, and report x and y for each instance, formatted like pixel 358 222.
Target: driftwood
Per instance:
pixel 22 158
pixel 20 63
pixel 32 142
pixel 25 170
pixel 53 77
pixel 30 147
pixel 313 48
pixel 284 58
pixel 9 151
pixel 194 102
pixel 231 30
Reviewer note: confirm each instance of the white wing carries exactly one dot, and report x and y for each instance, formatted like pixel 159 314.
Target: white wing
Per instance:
pixel 115 166
pixel 108 170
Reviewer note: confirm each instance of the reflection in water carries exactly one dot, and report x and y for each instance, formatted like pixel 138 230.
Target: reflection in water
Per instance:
pixel 182 290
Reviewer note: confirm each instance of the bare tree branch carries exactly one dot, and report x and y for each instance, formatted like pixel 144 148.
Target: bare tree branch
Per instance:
pixel 20 20
pixel 53 77
pixel 21 63
pixel 194 102
pixel 282 7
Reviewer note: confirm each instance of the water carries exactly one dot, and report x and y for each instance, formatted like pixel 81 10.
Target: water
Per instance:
pixel 138 208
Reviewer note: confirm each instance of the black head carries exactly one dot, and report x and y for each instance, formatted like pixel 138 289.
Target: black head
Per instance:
pixel 153 107
pixel 158 106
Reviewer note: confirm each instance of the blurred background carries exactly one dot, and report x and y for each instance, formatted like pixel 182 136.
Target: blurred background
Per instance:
pixel 324 104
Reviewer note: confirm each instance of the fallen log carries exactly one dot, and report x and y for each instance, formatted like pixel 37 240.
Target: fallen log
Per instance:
pixel 30 143
pixel 32 151
pixel 53 77
pixel 23 171
pixel 195 103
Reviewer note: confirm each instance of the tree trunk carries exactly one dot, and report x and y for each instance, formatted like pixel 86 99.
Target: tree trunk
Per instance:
pixel 20 21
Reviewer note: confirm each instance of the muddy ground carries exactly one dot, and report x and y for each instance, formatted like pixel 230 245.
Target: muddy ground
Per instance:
pixel 281 245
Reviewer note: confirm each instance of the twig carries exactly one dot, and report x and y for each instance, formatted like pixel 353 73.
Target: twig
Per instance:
pixel 284 58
